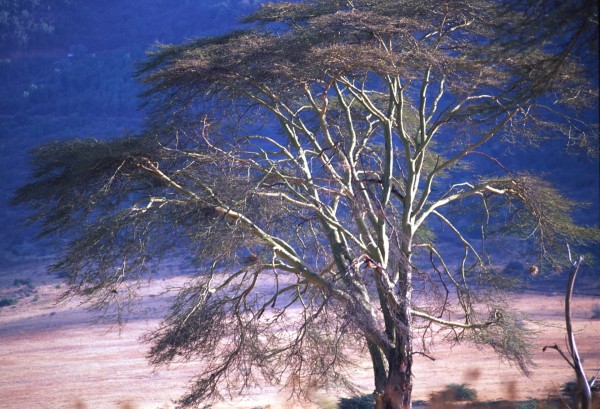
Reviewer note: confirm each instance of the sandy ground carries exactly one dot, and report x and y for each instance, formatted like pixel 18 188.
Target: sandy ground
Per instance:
pixel 51 356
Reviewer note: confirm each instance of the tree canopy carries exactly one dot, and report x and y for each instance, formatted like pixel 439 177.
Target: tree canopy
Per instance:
pixel 323 170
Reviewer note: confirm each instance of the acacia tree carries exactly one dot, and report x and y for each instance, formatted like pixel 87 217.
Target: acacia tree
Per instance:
pixel 307 165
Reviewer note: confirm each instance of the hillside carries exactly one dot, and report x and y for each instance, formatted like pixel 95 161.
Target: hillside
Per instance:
pixel 75 81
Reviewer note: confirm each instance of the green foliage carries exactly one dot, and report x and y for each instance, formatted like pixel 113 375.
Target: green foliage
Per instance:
pixel 366 401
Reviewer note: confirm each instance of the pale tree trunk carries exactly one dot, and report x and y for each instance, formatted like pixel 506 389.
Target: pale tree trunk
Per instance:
pixel 583 396
pixel 393 388
pixel 583 391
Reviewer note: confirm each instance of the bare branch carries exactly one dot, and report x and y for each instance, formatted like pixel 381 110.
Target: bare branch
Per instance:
pixel 453 324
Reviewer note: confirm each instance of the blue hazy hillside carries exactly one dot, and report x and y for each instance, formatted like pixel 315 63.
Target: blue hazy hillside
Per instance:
pixel 73 78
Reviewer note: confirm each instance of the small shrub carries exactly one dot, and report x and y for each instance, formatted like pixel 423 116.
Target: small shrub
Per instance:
pixel 5 302
pixel 23 281
pixel 453 393
pixel 357 402
pixel 596 312
pixel 462 392
pixel 528 404
pixel 569 389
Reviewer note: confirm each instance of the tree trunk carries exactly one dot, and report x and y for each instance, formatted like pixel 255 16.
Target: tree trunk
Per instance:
pixel 394 391
pixel 583 396
pixel 397 393
pixel 398 389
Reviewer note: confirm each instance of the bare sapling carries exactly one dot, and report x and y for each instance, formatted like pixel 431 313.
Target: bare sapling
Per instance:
pixel 583 395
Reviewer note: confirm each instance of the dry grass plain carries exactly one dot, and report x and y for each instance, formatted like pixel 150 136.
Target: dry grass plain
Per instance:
pixel 51 356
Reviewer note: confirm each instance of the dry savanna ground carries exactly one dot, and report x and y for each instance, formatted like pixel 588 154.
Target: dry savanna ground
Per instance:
pixel 52 356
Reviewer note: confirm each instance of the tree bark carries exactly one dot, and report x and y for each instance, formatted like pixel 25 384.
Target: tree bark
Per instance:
pixel 397 393
pixel 394 389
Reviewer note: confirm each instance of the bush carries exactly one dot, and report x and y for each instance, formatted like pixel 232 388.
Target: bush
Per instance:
pixel 596 312
pixel 462 392
pixel 454 392
pixel 5 302
pixel 357 402
pixel 569 389
pixel 23 281
pixel 528 404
